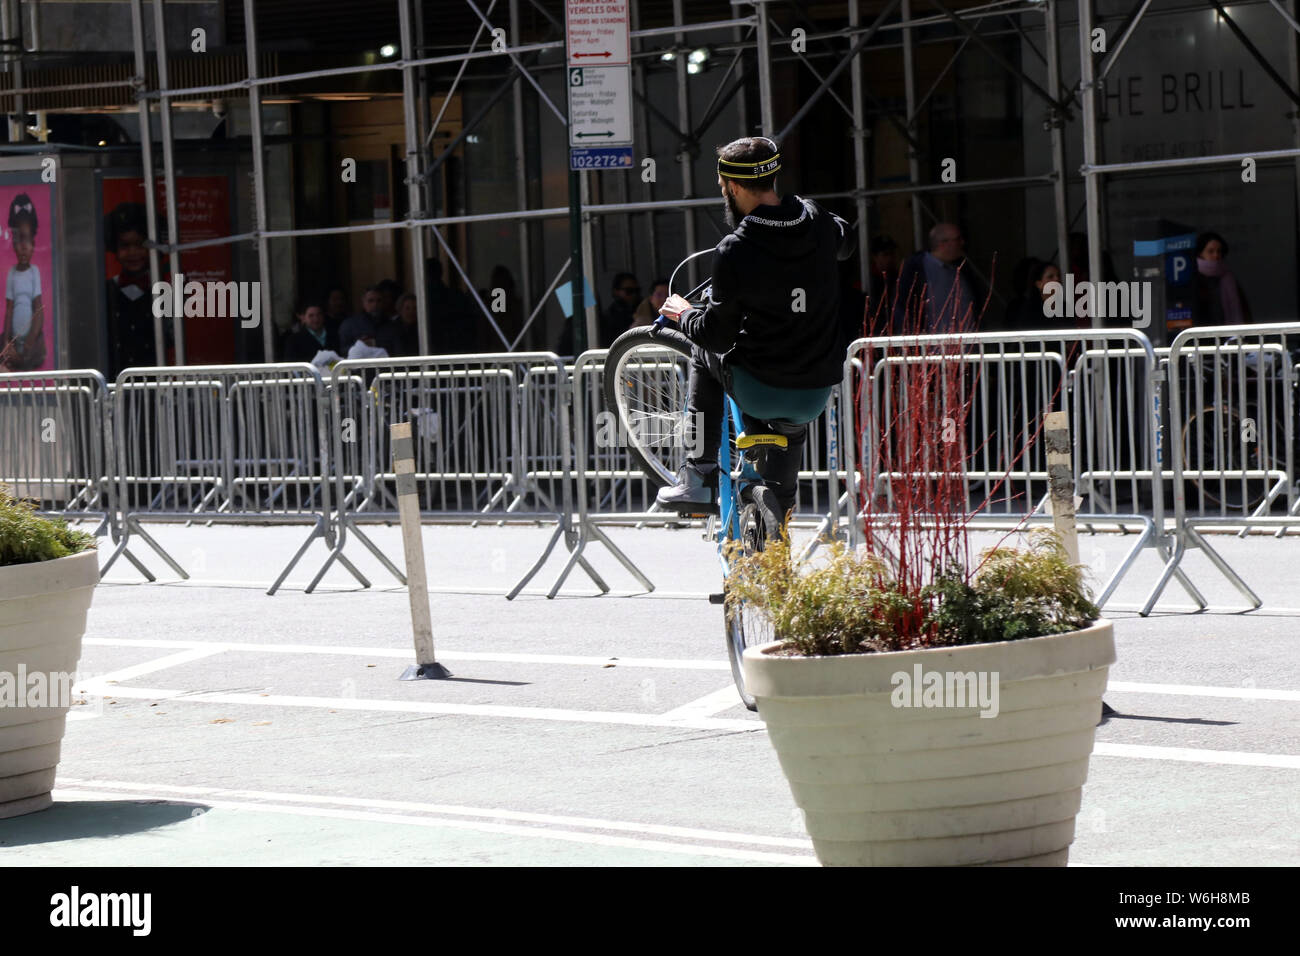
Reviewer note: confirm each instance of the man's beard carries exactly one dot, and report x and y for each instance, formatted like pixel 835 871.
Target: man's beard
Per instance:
pixel 731 214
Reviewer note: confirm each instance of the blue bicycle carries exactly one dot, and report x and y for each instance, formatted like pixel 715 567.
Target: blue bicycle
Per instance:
pixel 645 384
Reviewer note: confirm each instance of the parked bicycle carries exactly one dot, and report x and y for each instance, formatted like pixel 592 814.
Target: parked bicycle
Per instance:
pixel 1240 419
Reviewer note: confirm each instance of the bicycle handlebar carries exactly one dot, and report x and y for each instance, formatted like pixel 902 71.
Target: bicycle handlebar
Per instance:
pixel 673 277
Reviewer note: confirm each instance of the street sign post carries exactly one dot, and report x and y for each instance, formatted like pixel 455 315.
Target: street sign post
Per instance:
pixel 598 56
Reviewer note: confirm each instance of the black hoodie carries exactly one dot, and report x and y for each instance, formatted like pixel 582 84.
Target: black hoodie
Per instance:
pixel 773 302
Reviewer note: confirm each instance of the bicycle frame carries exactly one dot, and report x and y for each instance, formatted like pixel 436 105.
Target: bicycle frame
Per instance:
pixel 729 486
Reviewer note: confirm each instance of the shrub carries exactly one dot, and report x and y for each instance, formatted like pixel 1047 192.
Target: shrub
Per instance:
pixel 26 536
pixel 835 607
pixel 849 602
pixel 1014 594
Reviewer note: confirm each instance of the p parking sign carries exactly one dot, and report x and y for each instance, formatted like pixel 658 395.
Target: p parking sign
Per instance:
pixel 1178 268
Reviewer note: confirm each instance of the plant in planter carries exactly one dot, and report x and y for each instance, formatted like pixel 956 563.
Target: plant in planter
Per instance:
pixel 928 709
pixel 48 574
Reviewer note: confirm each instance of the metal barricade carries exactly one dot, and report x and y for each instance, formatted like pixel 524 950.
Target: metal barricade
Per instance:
pixel 1115 457
pixel 242 443
pixel 543 393
pixel 509 437
pixel 997 396
pixel 1107 380
pixel 610 479
pixel 52 443
pixel 821 475
pixel 472 460
pixel 599 468
pixel 1232 397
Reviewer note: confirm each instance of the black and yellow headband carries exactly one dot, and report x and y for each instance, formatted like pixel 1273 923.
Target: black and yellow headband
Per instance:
pixel 766 167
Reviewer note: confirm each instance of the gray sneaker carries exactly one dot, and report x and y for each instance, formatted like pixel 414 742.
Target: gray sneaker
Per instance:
pixel 694 493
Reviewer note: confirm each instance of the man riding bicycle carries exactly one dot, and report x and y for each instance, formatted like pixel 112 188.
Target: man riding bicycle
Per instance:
pixel 770 331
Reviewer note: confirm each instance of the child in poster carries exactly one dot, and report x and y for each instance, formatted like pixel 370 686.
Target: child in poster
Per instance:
pixel 130 314
pixel 22 339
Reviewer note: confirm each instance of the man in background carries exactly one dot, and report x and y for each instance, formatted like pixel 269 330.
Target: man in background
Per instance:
pixel 937 294
pixel 365 323
pixel 617 319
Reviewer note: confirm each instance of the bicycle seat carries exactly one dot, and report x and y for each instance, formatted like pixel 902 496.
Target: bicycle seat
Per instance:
pixel 744 440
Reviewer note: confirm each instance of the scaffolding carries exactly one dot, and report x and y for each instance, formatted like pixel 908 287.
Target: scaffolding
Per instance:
pixel 752 27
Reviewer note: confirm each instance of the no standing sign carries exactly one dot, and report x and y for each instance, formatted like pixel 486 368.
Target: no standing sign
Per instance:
pixel 598 54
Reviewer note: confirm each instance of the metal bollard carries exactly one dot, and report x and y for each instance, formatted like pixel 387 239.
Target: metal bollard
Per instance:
pixel 417 579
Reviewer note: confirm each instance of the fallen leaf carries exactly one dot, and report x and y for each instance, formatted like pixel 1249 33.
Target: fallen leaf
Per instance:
pixel 222 720
pixel 370 665
pixel 261 723
pixel 609 665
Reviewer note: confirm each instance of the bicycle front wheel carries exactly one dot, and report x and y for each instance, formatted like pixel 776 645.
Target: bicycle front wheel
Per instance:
pixel 748 626
pixel 646 376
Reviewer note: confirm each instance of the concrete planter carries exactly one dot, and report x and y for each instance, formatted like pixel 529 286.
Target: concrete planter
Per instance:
pixel 884 779
pixel 42 617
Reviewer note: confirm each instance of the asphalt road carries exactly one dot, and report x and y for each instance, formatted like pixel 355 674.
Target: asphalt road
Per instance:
pixel 229 727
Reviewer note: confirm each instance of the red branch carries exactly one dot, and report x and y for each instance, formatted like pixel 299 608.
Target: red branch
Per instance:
pixel 914 441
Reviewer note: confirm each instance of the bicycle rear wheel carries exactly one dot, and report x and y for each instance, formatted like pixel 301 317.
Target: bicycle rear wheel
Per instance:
pixel 748 626
pixel 645 383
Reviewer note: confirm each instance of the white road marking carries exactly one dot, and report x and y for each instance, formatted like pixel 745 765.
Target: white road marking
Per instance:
pixel 432 707
pixel 688 833
pixel 1196 690
pixel 599 839
pixel 1102 749
pixel 94 685
pixel 706 706
pixel 665 663
pixel 1192 755
pixel 399 653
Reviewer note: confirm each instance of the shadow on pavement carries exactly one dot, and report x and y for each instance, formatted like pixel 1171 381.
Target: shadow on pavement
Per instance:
pixel 82 819
pixel 1178 720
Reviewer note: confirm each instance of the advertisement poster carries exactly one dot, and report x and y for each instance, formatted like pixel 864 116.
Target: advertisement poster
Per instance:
pixel 28 331
pixel 203 212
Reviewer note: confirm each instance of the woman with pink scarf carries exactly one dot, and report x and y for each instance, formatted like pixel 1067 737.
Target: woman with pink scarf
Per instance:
pixel 1219 299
